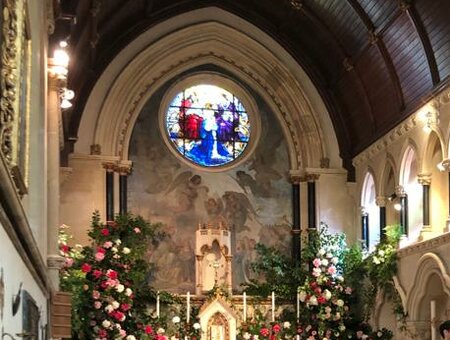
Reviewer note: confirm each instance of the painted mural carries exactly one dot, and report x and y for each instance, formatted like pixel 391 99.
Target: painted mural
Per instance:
pixel 253 199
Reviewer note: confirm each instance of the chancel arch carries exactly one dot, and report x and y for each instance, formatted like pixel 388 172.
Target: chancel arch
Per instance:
pixel 115 103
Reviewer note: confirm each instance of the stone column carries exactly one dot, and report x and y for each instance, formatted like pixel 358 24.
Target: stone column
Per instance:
pixel 110 168
pixel 229 259
pixel 312 211
pixel 401 193
pixel 425 181
pixel 365 227
pixel 381 202
pixel 123 171
pixel 445 166
pixel 296 230
pixel 54 260
pixel 198 276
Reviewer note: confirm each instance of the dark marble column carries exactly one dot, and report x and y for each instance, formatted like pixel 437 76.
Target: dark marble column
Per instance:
pixel 381 203
pixel 425 181
pixel 365 227
pixel 123 171
pixel 404 209
pixel 312 210
pixel 445 166
pixel 109 167
pixel 296 229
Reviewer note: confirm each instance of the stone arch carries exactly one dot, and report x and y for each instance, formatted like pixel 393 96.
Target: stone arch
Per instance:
pixel 115 103
pixel 428 265
pixel 408 146
pixel 433 138
pixel 390 164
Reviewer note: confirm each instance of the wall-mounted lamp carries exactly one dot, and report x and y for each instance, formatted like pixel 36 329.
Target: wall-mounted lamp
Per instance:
pixel 394 198
pixel 58 67
pixel 66 96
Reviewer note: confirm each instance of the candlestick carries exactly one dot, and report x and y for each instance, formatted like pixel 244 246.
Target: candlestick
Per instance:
pixel 298 306
pixel 157 304
pixel 432 318
pixel 245 306
pixel 188 307
pixel 273 306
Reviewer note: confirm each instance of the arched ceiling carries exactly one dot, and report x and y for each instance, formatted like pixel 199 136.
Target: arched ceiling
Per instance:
pixel 373 61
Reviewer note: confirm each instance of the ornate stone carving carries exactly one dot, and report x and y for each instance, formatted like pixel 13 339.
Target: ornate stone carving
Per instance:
pixel 424 179
pixel 445 165
pixel 55 262
pixel 8 79
pixel 400 191
pixel 96 149
pixel 296 4
pixel 312 177
pixel 109 166
pixel 381 201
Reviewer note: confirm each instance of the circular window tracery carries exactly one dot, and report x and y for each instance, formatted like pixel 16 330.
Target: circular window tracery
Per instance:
pixel 208 125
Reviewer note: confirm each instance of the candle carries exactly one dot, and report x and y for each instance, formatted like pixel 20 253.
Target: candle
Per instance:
pixel 245 306
pixel 298 306
pixel 188 307
pixel 433 318
pixel 157 304
pixel 273 306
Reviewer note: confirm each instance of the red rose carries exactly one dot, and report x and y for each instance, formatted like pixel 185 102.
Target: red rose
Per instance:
pixel 318 290
pixel 118 315
pixel 97 273
pixel 105 232
pixel 125 307
pixel 276 328
pixel 148 329
pixel 313 284
pixel 64 248
pixel 101 250
pixel 321 300
pixel 112 274
pixel 102 333
pixel 264 332
pixel 86 268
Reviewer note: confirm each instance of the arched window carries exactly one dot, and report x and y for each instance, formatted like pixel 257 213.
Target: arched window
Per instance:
pixel 408 179
pixel 208 125
pixel 371 210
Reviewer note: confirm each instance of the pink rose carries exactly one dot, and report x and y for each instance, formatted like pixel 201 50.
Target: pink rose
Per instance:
pixel 86 268
pixel 317 262
pixel 107 244
pixel 96 294
pixel 332 270
pixel 97 304
pixel 99 256
pixel 137 230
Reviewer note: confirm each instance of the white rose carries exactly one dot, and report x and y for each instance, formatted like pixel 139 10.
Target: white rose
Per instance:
pixel 160 331
pixel 329 255
pixel 118 242
pixel 327 294
pixel 131 337
pixel 115 304
pixel 334 260
pixel 286 324
pixel 340 278
pixel 340 303
pixel 256 337
pixel 114 249
pixel 321 252
pixel 247 335
pixel 109 308
pixel 302 296
pixel 128 292
pixel 176 319
pixel 324 262
pixel 196 325
pixel 338 316
pixel 313 301
pixel 106 324
pixel 173 337
pixel 120 288
pixel 126 250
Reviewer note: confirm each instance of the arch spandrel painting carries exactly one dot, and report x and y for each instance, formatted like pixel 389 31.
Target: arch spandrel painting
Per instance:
pixel 252 198
pixel 208 125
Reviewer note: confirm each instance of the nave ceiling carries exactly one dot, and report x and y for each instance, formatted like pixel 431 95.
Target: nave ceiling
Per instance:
pixel 374 62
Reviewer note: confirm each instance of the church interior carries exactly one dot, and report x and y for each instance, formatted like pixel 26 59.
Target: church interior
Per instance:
pixel 229 124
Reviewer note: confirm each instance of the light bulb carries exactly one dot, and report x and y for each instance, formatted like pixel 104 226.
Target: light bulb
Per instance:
pixel 60 58
pixel 69 94
pixel 65 104
pixel 397 206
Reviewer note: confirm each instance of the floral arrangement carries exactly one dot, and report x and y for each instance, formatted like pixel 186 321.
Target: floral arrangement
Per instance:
pixel 109 285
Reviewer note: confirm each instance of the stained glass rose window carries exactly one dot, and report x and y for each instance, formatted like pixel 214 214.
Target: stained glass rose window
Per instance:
pixel 208 125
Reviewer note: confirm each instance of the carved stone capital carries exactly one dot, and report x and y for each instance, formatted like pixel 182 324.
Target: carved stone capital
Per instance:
pixel 424 179
pixel 363 211
pixel 123 170
pixel 400 191
pixel 312 177
pixel 444 165
pixel 55 261
pixel 109 166
pixel 381 201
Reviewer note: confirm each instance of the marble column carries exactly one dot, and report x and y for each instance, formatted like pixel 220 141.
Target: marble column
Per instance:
pixel 54 260
pixel 296 230
pixel 365 227
pixel 123 171
pixel 312 210
pixel 401 193
pixel 425 181
pixel 381 203
pixel 110 168
pixel 229 282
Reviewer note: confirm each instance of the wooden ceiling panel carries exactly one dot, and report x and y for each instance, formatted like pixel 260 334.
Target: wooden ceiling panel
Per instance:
pixel 342 22
pixel 379 86
pixel 409 59
pixel 435 16
pixel 379 11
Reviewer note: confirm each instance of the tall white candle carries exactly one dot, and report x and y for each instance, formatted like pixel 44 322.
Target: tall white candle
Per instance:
pixel 273 306
pixel 157 304
pixel 188 306
pixel 245 306
pixel 432 318
pixel 298 306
